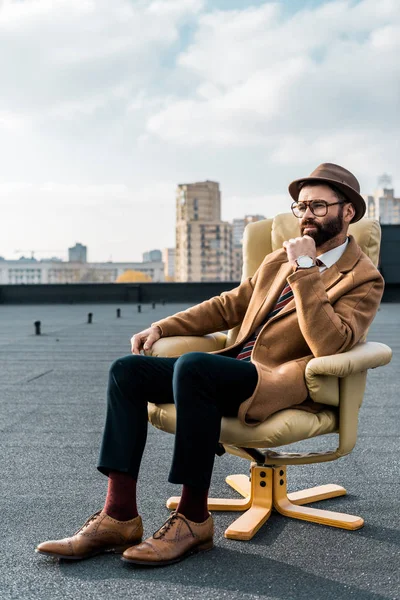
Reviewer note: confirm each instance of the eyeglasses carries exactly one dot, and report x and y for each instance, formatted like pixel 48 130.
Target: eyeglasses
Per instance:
pixel 319 208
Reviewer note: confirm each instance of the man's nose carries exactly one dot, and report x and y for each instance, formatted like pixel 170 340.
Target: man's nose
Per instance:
pixel 308 213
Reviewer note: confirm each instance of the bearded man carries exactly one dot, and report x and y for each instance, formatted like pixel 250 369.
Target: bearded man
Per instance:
pixel 286 319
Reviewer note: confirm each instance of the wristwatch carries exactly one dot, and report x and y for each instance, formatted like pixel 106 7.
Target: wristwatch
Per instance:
pixel 305 262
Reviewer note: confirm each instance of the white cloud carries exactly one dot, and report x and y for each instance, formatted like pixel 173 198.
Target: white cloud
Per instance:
pixel 15 14
pixel 240 115
pixel 56 52
pixel 12 122
pixel 228 42
pixel 323 81
pixel 175 8
pixel 116 102
pixel 345 146
pixel 387 37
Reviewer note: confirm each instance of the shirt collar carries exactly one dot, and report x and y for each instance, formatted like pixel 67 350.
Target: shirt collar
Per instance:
pixel 332 256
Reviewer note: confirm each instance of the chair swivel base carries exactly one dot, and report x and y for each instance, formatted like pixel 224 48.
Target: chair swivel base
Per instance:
pixel 266 489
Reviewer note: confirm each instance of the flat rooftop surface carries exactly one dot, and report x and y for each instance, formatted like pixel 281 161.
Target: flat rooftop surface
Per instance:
pixel 52 409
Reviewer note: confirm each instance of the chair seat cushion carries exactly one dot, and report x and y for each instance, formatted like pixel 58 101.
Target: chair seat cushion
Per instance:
pixel 284 427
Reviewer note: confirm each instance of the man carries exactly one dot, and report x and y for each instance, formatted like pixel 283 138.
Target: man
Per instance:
pixel 316 296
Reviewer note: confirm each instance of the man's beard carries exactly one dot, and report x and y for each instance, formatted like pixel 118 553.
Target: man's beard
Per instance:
pixel 324 232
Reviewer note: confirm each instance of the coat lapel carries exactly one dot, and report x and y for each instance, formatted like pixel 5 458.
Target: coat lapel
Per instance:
pixel 329 277
pixel 273 294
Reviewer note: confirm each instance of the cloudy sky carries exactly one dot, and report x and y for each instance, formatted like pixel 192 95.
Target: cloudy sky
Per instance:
pixel 106 106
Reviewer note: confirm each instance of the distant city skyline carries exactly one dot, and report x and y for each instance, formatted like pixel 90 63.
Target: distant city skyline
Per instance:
pixel 106 107
pixel 65 254
pixel 207 248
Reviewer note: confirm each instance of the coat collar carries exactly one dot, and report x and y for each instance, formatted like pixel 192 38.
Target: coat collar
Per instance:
pixel 349 257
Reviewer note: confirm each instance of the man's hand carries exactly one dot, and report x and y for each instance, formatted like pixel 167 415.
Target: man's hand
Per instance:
pixel 300 246
pixel 145 339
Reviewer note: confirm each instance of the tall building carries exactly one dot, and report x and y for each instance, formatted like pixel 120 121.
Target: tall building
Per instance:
pixel 383 205
pixel 203 241
pixel 77 253
pixel 169 263
pixel 239 225
pixel 152 256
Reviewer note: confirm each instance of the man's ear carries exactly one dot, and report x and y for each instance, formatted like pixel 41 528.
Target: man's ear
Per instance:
pixel 348 212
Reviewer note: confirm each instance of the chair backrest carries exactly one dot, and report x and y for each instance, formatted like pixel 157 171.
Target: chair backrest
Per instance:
pixel 263 237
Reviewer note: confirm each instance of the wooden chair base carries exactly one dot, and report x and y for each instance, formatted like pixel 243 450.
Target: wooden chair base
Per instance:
pixel 266 489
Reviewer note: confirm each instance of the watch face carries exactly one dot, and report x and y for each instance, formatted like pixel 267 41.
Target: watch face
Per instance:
pixel 305 262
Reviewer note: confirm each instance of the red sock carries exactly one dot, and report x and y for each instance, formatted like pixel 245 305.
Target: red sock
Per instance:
pixel 121 496
pixel 193 504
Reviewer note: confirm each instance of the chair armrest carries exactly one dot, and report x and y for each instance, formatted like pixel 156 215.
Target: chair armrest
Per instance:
pixel 368 355
pixel 180 344
pixel 339 380
pixel 322 373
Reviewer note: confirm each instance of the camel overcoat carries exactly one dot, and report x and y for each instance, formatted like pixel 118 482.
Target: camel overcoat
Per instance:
pixel 330 312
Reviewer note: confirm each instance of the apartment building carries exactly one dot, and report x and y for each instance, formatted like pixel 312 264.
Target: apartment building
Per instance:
pixel 203 240
pixel 239 226
pixel 32 271
pixel 77 253
pixel 383 205
pixel 152 256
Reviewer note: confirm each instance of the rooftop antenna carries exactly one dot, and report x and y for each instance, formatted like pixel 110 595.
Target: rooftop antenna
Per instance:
pixel 385 181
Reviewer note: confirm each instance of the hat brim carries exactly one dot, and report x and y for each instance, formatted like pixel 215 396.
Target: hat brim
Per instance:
pixel 350 193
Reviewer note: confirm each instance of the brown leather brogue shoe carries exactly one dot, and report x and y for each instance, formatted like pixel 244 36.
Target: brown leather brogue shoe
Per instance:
pixel 177 539
pixel 100 533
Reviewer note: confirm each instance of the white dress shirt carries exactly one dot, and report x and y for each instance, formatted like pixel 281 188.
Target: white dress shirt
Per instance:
pixel 329 258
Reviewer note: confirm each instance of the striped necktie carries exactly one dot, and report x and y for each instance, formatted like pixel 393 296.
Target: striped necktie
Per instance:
pixel 284 298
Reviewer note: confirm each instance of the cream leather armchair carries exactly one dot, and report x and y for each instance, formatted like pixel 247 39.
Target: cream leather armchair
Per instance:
pixel 338 382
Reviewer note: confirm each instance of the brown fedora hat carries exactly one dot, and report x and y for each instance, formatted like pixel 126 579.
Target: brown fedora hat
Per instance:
pixel 339 178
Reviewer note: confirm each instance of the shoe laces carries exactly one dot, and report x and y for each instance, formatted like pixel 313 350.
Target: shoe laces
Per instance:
pixel 167 526
pixel 93 517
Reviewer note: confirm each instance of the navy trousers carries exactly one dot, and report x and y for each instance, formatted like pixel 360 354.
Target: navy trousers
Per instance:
pixel 203 387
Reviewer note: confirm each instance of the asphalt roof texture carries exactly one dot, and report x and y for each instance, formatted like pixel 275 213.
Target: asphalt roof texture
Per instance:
pixel 52 408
